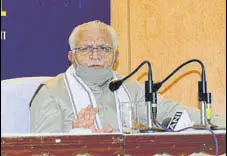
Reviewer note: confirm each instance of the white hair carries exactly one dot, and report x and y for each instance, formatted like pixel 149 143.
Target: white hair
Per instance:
pixel 74 35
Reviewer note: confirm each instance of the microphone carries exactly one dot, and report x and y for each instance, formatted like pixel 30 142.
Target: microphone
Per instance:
pixel 179 121
pixel 166 122
pixel 115 85
pixel 203 96
pixel 150 93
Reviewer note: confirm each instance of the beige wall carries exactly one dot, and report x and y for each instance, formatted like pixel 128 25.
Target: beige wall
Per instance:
pixel 169 32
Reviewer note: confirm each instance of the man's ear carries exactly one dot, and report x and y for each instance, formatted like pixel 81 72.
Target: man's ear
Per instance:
pixel 70 56
pixel 115 63
pixel 116 56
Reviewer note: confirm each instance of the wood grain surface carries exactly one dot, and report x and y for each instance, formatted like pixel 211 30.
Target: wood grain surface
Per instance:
pixel 168 33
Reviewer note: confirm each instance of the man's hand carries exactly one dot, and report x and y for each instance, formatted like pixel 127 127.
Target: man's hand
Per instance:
pixel 86 119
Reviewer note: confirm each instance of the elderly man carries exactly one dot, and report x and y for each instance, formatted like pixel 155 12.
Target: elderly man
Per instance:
pixel 80 99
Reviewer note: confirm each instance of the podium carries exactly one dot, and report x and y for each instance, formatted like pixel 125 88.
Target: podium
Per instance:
pixel 54 144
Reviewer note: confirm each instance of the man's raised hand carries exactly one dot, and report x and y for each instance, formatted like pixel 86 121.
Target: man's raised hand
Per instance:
pixel 86 119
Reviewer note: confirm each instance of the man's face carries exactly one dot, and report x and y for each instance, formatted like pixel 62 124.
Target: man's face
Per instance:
pixel 94 48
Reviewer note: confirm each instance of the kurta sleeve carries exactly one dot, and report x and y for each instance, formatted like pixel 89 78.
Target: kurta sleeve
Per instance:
pixel 45 113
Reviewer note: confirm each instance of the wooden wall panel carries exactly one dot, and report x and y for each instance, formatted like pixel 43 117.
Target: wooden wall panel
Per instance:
pixel 169 32
pixel 119 11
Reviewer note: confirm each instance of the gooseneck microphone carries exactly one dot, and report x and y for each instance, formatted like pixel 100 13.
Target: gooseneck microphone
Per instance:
pixel 114 85
pixel 150 93
pixel 203 96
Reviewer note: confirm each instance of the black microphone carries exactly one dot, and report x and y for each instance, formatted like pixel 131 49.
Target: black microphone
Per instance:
pixel 204 97
pixel 166 122
pixel 150 93
pixel 115 85
pixel 180 120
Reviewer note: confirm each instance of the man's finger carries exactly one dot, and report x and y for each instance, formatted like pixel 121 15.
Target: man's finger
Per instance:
pixel 83 125
pixel 89 107
pixel 75 123
pixel 86 116
pixel 81 113
pixel 84 113
pixel 93 113
pixel 90 123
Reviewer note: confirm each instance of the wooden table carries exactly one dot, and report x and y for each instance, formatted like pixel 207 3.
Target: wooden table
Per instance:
pixel 183 143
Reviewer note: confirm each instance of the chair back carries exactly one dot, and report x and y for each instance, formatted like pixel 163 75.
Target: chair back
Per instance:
pixel 16 94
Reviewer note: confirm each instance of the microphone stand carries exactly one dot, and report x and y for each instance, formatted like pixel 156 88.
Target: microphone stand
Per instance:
pixel 150 94
pixel 203 96
pixel 151 101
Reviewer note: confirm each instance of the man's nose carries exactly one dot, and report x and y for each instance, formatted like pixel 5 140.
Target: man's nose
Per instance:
pixel 95 54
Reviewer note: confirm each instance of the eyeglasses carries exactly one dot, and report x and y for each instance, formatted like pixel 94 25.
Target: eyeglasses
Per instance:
pixel 102 50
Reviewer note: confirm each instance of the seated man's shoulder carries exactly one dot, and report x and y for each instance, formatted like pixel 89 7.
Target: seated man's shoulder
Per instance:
pixel 55 82
pixel 53 86
pixel 50 87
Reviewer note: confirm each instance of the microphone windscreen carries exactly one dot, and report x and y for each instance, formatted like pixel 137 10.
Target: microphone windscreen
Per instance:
pixel 180 120
pixel 166 122
pixel 114 85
